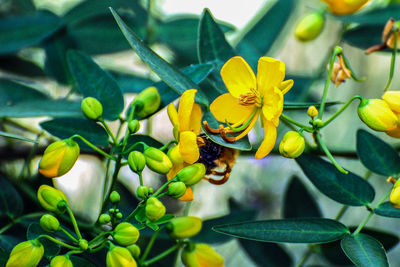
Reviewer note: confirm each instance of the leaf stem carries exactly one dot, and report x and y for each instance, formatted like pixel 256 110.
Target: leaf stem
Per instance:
pixel 164 186
pixel 134 212
pixel 93 146
pixel 109 132
pixel 395 32
pixel 71 215
pixel 341 110
pixel 292 121
pixel 68 234
pixel 58 242
pixel 164 147
pixel 328 154
pixel 162 255
pixel 150 244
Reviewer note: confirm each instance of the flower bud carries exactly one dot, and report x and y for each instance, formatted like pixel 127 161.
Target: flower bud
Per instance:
pixel 136 161
pixel 126 234
pixel 390 41
pixel 119 215
pixel 312 111
pixel 176 190
pixel 92 108
pixel 115 197
pixel 61 261
pixel 134 126
pixel 83 244
pixel 395 197
pixel 310 26
pixel 192 174
pixel 59 158
pixel 157 161
pixel 51 199
pixel 184 227
pixel 147 102
pixel 201 255
pixel 119 256
pixel 377 115
pixel 174 155
pixel 134 250
pixel 49 223
pixel 392 98
pixel 27 253
pixel 292 145
pixel 142 191
pixel 154 209
pixel 345 7
pixel 104 218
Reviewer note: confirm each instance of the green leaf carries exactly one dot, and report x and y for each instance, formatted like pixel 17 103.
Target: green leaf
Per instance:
pixel 364 36
pixel 348 189
pixel 168 73
pixel 12 92
pixel 3 257
pixel 150 141
pixel 50 248
pixel 298 202
pixel 374 17
pixel 364 250
pixel 95 82
pixel 11 204
pixel 387 210
pixel 242 144
pixel 301 88
pixel 66 127
pixel 17 65
pixel 212 44
pixel 81 262
pixel 377 155
pixel 18 137
pixel 17 32
pixel 294 230
pixel 8 242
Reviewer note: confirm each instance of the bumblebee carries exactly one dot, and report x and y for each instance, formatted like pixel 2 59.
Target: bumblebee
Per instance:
pixel 219 160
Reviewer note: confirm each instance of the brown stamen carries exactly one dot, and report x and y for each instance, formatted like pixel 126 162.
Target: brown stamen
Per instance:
pixel 248 99
pixel 343 67
pixel 391 180
pixel 200 141
pixel 218 182
pixel 209 129
pixel 229 139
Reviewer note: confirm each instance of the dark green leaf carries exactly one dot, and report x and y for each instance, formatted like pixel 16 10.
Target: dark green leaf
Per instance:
pixel 377 155
pixel 300 89
pixel 298 202
pixel 132 84
pixel 8 242
pixel 67 127
pixel 50 248
pixel 12 93
pixel 11 204
pixel 348 189
pixel 3 257
pixel 150 141
pixel 364 36
pixel 242 144
pixel 20 66
pixel 295 230
pixel 375 16
pixel 387 210
pixel 95 82
pixel 168 73
pixel 22 31
pixel 81 262
pixel 364 250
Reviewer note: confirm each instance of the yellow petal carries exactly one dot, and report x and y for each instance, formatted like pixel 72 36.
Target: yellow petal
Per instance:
pixel 238 76
pixel 174 170
pixel 269 140
pixel 185 109
pixel 188 147
pixel 195 119
pixel 273 105
pixel 188 196
pixel 172 114
pixel 251 125
pixel 226 107
pixel 270 74
pixel 286 86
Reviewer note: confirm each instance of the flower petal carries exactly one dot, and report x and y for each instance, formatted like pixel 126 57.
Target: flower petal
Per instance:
pixel 238 76
pixel 188 196
pixel 185 109
pixel 226 107
pixel 188 147
pixel 195 119
pixel 270 74
pixel 273 105
pixel 286 86
pixel 269 140
pixel 174 170
pixel 172 114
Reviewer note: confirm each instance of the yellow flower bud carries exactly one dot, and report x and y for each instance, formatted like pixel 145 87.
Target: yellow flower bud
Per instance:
pixel 395 196
pixel 92 108
pixel 176 190
pixel 59 158
pixel 134 250
pixel 27 254
pixel 49 223
pixel 292 145
pixel 136 161
pixel 134 126
pixel 202 255
pixel 345 7
pixel 51 199
pixel 154 209
pixel 157 160
pixel 377 115
pixel 192 174
pixel 125 234
pixel 184 227
pixel 174 155
pixel 61 261
pixel 119 256
pixel 392 98
pixel 147 102
pixel 312 111
pixel 310 26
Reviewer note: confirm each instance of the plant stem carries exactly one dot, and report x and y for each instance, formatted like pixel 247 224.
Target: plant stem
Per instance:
pixel 292 121
pixel 393 61
pixel 109 132
pixel 124 152
pixel 164 186
pixel 58 242
pixel 162 255
pixel 328 154
pixel 98 237
pixel 150 244
pixel 19 219
pixel 68 234
pixel 341 110
pixel 134 212
pixel 306 255
pixel 164 147
pixel 113 181
pixel 71 215
pixel 93 146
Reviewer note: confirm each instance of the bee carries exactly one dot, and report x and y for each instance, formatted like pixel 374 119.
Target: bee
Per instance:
pixel 219 160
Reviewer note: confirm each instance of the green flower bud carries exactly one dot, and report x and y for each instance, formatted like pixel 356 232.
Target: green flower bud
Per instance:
pixel 292 145
pixel 134 250
pixel 59 158
pixel 111 211
pixel 125 234
pixel 136 161
pixel 134 126
pixel 309 27
pixel 174 155
pixel 115 197
pixel 27 253
pixel 49 223
pixel 201 255
pixel 61 261
pixel 119 256
pixel 104 218
pixel 147 102
pixel 142 191
pixel 377 115
pixel 51 199
pixel 154 209
pixel 157 161
pixel 192 174
pixel 92 108
pixel 176 190
pixel 184 227
pixel 119 215
pixel 83 244
pixel 318 123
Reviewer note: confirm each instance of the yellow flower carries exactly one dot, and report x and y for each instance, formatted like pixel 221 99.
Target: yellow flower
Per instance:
pixel 392 98
pixel 201 255
pixel 345 7
pixel 251 96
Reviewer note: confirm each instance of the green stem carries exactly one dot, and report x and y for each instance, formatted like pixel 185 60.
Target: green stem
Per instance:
pixel 109 132
pixel 98 237
pixel 352 73
pixel 19 219
pixel 93 146
pixel 341 212
pixel 127 131
pixel 124 152
pixel 150 245
pixel 134 212
pixel 164 186
pixel 292 121
pixel 68 234
pixel 71 215
pixel 164 147
pixel 162 255
pixel 306 255
pixel 328 154
pixel 140 178
pixel 341 110
pixel 393 61
pixel 94 250
pixel 244 125
pixel 58 242
pixel 113 181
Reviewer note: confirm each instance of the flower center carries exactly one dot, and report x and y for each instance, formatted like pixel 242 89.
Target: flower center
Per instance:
pixel 250 98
